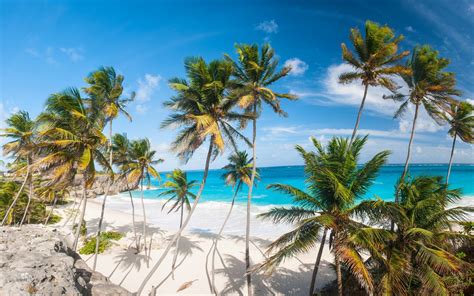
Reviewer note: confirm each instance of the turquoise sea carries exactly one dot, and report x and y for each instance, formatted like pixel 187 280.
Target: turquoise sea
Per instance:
pixel 462 176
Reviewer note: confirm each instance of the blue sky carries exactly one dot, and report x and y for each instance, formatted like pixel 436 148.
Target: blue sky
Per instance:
pixel 47 46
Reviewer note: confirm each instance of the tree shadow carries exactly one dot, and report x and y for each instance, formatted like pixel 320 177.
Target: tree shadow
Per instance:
pixel 282 281
pixel 128 259
pixel 186 245
pixel 203 233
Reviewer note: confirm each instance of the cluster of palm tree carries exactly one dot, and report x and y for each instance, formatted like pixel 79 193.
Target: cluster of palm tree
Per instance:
pixel 212 107
pixel 66 143
pixel 416 252
pixel 376 61
pixel 205 107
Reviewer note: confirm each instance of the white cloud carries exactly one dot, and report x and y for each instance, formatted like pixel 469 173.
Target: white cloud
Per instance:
pixel 33 52
pixel 142 109
pixel 410 29
pixel 268 27
pixel 51 55
pixel 147 86
pixel 74 54
pixel 470 101
pixel 351 94
pixel 279 143
pixel 470 8
pixel 298 67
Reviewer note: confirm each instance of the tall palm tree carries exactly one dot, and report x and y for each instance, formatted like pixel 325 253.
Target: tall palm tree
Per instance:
pixel 254 73
pixel 429 86
pixel 20 129
pixel 374 62
pixel 461 120
pixel 238 172
pixel 142 168
pixel 203 111
pixel 105 86
pixel 178 189
pixel 121 153
pixel 334 183
pixel 71 141
pixel 416 257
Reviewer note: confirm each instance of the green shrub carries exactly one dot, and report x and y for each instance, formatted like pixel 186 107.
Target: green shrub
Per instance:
pixel 37 211
pixel 104 242
pixel 83 231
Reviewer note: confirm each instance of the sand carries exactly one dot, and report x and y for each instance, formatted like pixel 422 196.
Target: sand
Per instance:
pixel 126 268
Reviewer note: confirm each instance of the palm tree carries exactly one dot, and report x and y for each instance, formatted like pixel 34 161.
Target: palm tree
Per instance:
pixel 105 86
pixel 254 73
pixel 178 188
pixel 429 86
pixel 203 111
pixel 20 128
pixel 142 168
pixel 416 257
pixel 52 194
pixel 334 183
pixel 461 120
pixel 375 61
pixel 238 172
pixel 71 141
pixel 121 154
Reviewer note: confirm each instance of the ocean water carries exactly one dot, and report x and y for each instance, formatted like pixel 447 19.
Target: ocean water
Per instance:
pixel 215 202
pixel 462 176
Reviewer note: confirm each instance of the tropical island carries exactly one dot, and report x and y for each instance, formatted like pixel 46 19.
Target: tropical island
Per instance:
pixel 324 228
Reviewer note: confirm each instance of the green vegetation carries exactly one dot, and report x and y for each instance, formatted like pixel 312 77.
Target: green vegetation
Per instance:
pixel 37 211
pixel 105 241
pixel 83 231
pixel 178 190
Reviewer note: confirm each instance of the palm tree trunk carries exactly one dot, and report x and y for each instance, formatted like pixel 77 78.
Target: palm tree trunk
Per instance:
pixel 52 209
pixel 412 135
pixel 339 275
pixel 249 201
pixel 10 208
pixel 133 218
pixel 83 212
pixel 318 261
pixel 102 212
pixel 30 194
pixel 216 240
pixel 76 212
pixel 188 218
pixel 73 208
pixel 99 227
pixel 451 159
pixel 173 265
pixel 356 127
pixel 144 215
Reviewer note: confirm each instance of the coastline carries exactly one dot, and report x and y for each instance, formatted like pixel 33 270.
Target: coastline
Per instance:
pixel 125 268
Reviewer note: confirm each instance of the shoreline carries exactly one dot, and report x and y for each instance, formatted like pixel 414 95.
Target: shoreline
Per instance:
pixel 125 268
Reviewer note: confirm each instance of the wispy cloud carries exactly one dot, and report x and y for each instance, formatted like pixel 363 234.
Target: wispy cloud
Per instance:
pixel 268 27
pixel 147 86
pixel 410 29
pixel 142 109
pixel 332 92
pixel 53 55
pixel 74 54
pixel 298 67
pixel 445 29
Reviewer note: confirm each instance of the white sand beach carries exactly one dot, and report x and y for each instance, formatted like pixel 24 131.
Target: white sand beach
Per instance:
pixel 124 267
